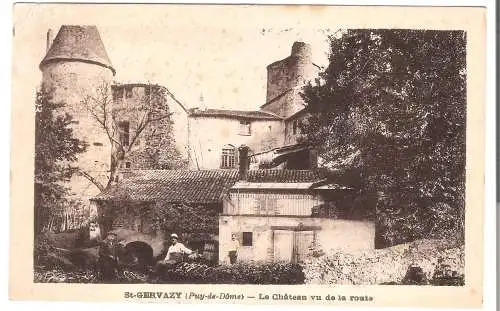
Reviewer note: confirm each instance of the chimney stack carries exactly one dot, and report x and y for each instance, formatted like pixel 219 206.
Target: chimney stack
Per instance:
pixel 50 39
pixel 244 164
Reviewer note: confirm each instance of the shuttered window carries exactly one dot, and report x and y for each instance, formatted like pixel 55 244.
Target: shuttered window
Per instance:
pixel 124 129
pixel 228 159
pixel 247 239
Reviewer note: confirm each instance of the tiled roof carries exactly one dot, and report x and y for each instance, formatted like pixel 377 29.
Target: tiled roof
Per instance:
pixel 81 43
pixel 286 176
pixel 257 115
pixel 204 186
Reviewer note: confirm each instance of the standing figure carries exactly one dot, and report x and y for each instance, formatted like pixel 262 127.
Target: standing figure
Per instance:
pixel 108 258
pixel 233 249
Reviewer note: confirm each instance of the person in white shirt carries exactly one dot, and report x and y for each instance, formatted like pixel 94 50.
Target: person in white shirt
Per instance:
pixel 234 245
pixel 175 254
pixel 177 250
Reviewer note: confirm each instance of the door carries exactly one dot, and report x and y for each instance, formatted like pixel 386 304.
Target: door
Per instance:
pixel 283 245
pixel 303 241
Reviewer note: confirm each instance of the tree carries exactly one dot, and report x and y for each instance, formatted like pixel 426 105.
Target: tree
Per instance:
pixel 148 131
pixel 392 104
pixel 56 150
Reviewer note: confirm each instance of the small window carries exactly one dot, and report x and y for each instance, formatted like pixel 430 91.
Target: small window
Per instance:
pixel 245 128
pixel 247 239
pixel 128 92
pixel 124 129
pixel 147 91
pixel 127 164
pixel 97 144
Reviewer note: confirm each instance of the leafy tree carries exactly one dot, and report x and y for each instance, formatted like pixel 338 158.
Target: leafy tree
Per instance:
pixel 55 151
pixel 391 105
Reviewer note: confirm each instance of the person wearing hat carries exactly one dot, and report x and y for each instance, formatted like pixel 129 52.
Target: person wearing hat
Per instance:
pixel 108 258
pixel 177 250
pixel 175 254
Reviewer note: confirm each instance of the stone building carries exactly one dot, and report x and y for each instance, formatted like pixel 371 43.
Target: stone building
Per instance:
pixel 273 212
pixel 75 66
pixel 274 215
pixel 161 144
pixel 136 202
pixel 215 134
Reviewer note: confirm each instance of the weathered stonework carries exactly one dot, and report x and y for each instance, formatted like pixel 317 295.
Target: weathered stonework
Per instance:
pixel 285 79
pixel 71 73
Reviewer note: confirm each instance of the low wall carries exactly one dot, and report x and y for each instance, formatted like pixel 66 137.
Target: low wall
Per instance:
pixel 388 265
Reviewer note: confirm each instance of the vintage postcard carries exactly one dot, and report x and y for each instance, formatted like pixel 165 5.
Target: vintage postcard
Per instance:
pixel 248 154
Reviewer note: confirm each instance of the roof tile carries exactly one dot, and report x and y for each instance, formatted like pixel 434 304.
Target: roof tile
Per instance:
pixel 203 186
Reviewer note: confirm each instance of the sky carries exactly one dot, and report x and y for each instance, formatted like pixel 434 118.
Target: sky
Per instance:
pixel 184 49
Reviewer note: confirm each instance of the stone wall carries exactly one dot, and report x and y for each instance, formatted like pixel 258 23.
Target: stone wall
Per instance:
pixel 129 100
pixel 388 265
pixel 71 82
pixel 285 79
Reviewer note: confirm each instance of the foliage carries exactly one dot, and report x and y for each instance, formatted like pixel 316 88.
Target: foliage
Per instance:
pixel 241 273
pixel 184 218
pixel 56 149
pixel 85 276
pixel 392 105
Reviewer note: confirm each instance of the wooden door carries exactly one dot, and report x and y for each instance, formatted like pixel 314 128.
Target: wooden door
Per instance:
pixel 303 241
pixel 283 245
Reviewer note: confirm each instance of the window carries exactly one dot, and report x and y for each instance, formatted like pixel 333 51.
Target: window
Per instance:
pixel 127 164
pixel 228 159
pixel 128 92
pixel 245 128
pixel 295 126
pixel 147 91
pixel 247 239
pixel 124 130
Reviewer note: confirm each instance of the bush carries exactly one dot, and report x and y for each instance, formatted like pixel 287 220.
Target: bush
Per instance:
pixel 241 273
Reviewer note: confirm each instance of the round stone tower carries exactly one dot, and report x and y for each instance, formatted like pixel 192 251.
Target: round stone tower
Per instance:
pixel 290 72
pixel 77 66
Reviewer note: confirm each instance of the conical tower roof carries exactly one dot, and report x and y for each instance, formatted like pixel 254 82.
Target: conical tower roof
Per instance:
pixel 78 43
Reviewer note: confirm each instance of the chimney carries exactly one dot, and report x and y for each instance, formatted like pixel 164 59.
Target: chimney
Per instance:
pixel 50 39
pixel 244 162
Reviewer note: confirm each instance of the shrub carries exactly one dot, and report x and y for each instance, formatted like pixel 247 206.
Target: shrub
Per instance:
pixel 241 273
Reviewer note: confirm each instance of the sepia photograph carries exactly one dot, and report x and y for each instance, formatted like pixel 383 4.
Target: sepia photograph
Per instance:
pixel 180 151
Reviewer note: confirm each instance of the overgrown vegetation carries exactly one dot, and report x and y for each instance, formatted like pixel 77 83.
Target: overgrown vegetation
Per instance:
pixel 241 273
pixel 389 114
pixel 56 149
pixel 80 266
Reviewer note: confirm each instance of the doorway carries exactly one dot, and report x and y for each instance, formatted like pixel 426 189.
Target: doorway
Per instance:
pixel 292 245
